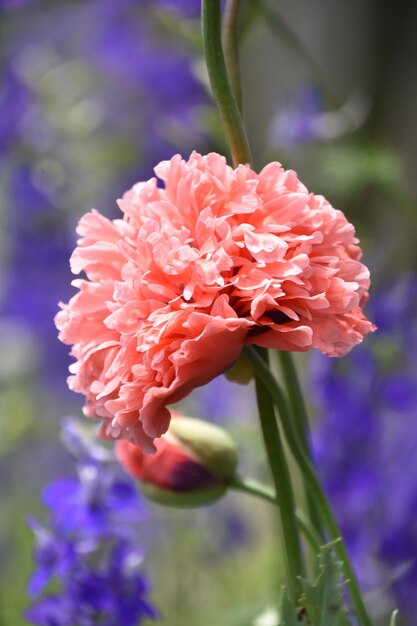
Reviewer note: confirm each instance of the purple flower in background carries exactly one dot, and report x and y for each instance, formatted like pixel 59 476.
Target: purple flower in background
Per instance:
pixel 15 4
pixel 112 593
pixel 304 120
pixel 15 98
pixel 222 400
pixel 94 502
pixel 365 443
pixel 297 124
pixel 99 499
pixel 90 546
pixel 53 609
pixel 53 556
pixel 115 592
pixel 35 276
pixel 187 8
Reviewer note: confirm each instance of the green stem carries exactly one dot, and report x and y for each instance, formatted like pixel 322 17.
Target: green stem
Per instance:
pixel 294 395
pixel 300 420
pixel 254 488
pixel 231 48
pixel 270 384
pixel 223 95
pixel 283 489
pixel 264 492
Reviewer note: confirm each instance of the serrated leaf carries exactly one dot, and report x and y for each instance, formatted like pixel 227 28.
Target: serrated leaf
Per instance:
pixel 323 599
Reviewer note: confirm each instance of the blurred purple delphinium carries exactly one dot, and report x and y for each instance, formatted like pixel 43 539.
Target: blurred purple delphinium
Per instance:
pixel 90 545
pixel 188 8
pixel 297 124
pixel 305 120
pixel 365 443
pixel 94 94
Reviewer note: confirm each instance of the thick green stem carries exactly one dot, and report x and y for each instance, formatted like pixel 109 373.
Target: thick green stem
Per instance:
pixel 283 489
pixel 270 384
pixel 219 80
pixel 231 48
pixel 300 420
pixel 294 396
pixel 264 492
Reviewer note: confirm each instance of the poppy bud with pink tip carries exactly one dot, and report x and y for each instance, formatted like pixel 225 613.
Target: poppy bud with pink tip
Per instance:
pixel 193 465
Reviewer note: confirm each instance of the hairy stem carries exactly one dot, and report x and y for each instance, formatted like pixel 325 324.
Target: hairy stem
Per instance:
pixel 264 492
pixel 219 80
pixel 269 383
pixel 283 489
pixel 300 421
pixel 231 48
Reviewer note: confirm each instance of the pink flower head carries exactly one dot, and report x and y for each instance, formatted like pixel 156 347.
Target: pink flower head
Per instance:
pixel 216 258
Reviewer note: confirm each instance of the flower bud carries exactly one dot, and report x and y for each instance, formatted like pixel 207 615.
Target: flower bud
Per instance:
pixel 240 372
pixel 193 464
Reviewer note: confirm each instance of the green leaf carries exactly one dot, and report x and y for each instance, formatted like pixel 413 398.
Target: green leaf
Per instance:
pixel 321 603
pixel 323 600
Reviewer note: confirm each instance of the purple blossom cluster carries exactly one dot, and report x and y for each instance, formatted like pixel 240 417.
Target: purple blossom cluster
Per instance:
pixel 89 548
pixel 365 443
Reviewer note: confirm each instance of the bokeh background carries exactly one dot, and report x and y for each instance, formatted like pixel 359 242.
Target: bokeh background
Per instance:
pixel 93 94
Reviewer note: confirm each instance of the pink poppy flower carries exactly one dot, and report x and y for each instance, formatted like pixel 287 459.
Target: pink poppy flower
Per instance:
pixel 216 258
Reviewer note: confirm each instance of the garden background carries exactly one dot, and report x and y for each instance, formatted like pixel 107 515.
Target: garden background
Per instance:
pixel 93 94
